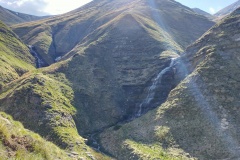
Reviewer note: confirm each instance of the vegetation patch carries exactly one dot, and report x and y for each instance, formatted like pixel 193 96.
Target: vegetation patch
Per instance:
pixel 16 142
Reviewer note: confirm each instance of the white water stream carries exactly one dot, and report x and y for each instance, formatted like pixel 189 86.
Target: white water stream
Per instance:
pixel 39 62
pixel 151 90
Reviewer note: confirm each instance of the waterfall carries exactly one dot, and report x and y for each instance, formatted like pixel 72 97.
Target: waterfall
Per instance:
pixel 39 62
pixel 95 143
pixel 151 90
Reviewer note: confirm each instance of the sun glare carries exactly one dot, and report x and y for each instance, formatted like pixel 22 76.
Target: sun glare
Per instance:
pixel 63 6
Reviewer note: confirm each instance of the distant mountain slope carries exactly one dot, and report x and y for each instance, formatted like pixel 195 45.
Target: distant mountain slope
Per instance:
pixel 200 119
pixel 227 10
pixel 201 12
pixel 10 17
pixel 15 58
pixel 58 36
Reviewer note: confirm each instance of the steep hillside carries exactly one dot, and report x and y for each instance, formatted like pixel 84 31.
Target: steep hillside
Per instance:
pixel 10 17
pixel 27 95
pixel 200 118
pixel 15 58
pixel 43 104
pixel 227 10
pixel 16 142
pixel 57 36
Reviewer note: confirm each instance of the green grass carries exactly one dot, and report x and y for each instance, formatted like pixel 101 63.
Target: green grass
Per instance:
pixel 51 97
pixel 144 138
pixel 151 151
pixel 15 58
pixel 41 39
pixel 16 142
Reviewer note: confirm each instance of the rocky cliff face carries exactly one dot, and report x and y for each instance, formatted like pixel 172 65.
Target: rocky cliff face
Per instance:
pixel 200 117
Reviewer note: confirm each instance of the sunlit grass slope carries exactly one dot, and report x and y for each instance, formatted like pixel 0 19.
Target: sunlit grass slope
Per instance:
pixel 16 142
pixel 15 58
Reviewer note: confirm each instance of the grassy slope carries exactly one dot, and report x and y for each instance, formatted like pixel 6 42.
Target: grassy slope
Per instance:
pixel 16 142
pixel 46 100
pixel 43 103
pixel 15 58
pixel 201 115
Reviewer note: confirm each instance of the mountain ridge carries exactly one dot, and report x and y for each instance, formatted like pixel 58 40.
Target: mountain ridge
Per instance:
pixel 201 12
pixel 10 17
pixel 227 10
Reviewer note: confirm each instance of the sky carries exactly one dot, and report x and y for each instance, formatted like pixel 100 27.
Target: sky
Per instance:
pixel 54 7
pixel 42 7
pixel 210 6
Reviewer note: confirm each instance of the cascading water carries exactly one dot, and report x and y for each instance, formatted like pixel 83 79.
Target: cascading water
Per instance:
pixel 39 62
pixel 152 88
pixel 95 143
